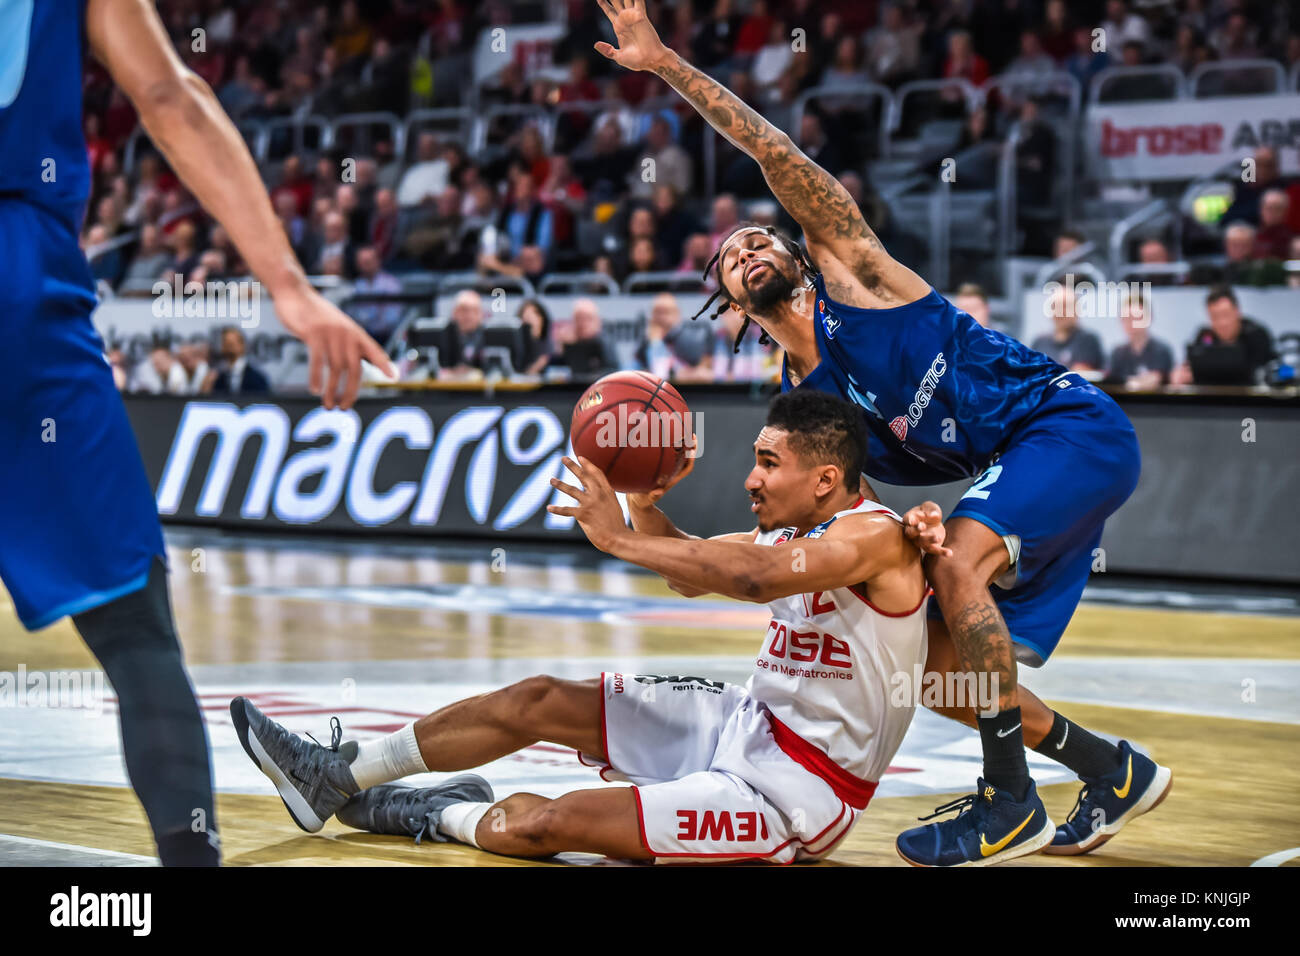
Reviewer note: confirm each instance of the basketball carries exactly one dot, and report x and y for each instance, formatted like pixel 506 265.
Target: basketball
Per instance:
pixel 634 427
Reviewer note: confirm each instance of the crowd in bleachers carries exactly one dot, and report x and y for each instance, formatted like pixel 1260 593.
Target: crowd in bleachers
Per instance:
pixel 529 203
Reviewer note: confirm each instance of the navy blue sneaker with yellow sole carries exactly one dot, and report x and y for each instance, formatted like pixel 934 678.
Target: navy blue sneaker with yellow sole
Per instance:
pixel 1107 804
pixel 991 827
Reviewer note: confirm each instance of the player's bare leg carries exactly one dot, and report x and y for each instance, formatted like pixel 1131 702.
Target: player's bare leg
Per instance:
pixel 1120 784
pixel 478 730
pixel 586 821
pixel 943 658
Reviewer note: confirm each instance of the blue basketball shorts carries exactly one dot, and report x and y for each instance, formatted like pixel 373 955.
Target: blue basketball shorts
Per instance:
pixel 1066 471
pixel 78 523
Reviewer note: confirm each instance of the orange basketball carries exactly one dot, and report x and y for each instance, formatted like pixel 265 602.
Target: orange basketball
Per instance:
pixel 634 427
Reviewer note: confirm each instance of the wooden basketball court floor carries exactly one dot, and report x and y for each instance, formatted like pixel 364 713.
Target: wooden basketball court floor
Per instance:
pixel 1205 680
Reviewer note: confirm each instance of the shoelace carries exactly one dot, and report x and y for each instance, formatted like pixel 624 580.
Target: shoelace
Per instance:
pixel 961 804
pixel 1079 801
pixel 336 735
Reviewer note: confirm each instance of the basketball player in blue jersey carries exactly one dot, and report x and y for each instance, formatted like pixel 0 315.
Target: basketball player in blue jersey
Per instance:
pixel 79 530
pixel 944 399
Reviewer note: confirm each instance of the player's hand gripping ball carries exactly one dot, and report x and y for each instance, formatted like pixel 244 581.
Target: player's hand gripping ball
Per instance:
pixel 634 427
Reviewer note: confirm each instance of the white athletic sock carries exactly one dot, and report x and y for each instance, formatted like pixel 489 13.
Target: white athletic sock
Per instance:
pixel 460 820
pixel 388 758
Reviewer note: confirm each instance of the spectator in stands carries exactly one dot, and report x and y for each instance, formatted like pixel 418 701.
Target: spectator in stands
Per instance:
pixel 379 319
pixel 1122 26
pixel 661 161
pixel 605 162
pixel 336 243
pixel 1231 350
pixel 963 63
pixel 1067 241
pixel 192 358
pixel 160 374
pixel 301 237
pixel 774 58
pixel 151 257
pixel 1088 59
pixel 1273 238
pixel 238 376
pixel 1235 39
pixel 1153 252
pixel 1035 159
pixel 747 363
pixel 893 50
pixel 539 349
pixel 530 264
pixel 1247 194
pixel 384 224
pixel 211 267
pixel 295 183
pixel 1033 63
pixel 526 221
pixel 696 256
pixel 1057 36
pixel 586 353
pixel 974 301
pixel 427 176
pixel 185 253
pixel 1074 347
pixel 347 201
pixel 674 349
pixel 1240 267
pixel 726 216
pixel 467 313
pixel 1143 362
pixel 715 39
pixel 642 257
pixel 674 225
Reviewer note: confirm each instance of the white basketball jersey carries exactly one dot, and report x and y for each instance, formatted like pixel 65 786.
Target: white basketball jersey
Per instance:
pixel 830 661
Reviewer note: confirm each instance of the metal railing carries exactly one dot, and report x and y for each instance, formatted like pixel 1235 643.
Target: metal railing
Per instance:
pixel 581 282
pixel 868 91
pixel 1121 72
pixel 1120 232
pixel 970 95
pixel 1229 67
pixel 662 281
pixel 366 122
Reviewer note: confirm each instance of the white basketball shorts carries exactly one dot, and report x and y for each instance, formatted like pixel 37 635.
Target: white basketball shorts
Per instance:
pixel 717 777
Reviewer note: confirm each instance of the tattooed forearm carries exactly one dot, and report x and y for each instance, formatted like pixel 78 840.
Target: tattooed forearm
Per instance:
pixel 984 645
pixel 809 193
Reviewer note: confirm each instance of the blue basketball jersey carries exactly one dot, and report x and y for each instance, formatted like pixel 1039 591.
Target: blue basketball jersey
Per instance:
pixel 941 394
pixel 42 148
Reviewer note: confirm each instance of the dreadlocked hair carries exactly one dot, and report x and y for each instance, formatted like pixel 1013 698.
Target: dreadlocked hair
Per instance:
pixel 800 257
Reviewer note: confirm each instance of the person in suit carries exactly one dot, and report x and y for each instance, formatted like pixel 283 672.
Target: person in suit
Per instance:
pixel 239 376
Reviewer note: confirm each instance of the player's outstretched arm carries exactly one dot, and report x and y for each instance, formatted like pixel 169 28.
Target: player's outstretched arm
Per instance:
pixel 856 550
pixel 184 119
pixel 833 226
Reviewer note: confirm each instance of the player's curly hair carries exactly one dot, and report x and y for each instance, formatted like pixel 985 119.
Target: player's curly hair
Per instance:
pixel 715 264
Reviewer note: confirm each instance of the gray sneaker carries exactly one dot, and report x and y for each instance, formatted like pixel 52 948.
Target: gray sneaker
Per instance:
pixel 412 811
pixel 313 781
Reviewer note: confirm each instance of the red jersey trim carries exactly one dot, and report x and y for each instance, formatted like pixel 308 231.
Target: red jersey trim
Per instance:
pixel 854 791
pixel 883 613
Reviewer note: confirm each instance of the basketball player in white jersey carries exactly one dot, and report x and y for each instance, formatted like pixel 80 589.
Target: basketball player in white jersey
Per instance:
pixel 776 770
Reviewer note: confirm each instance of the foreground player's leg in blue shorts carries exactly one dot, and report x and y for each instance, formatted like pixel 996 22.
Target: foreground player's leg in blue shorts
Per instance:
pixel 1032 524
pixel 79 531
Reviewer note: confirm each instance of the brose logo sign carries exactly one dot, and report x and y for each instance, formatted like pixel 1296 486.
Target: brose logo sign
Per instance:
pixel 369 470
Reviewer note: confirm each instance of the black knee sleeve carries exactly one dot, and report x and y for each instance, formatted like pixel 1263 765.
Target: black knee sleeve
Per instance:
pixel 163 736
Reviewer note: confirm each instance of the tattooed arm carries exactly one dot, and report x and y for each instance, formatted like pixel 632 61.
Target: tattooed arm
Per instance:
pixel 840 242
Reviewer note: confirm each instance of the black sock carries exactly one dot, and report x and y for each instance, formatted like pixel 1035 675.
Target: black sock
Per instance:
pixel 1004 752
pixel 1086 754
pixel 163 738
